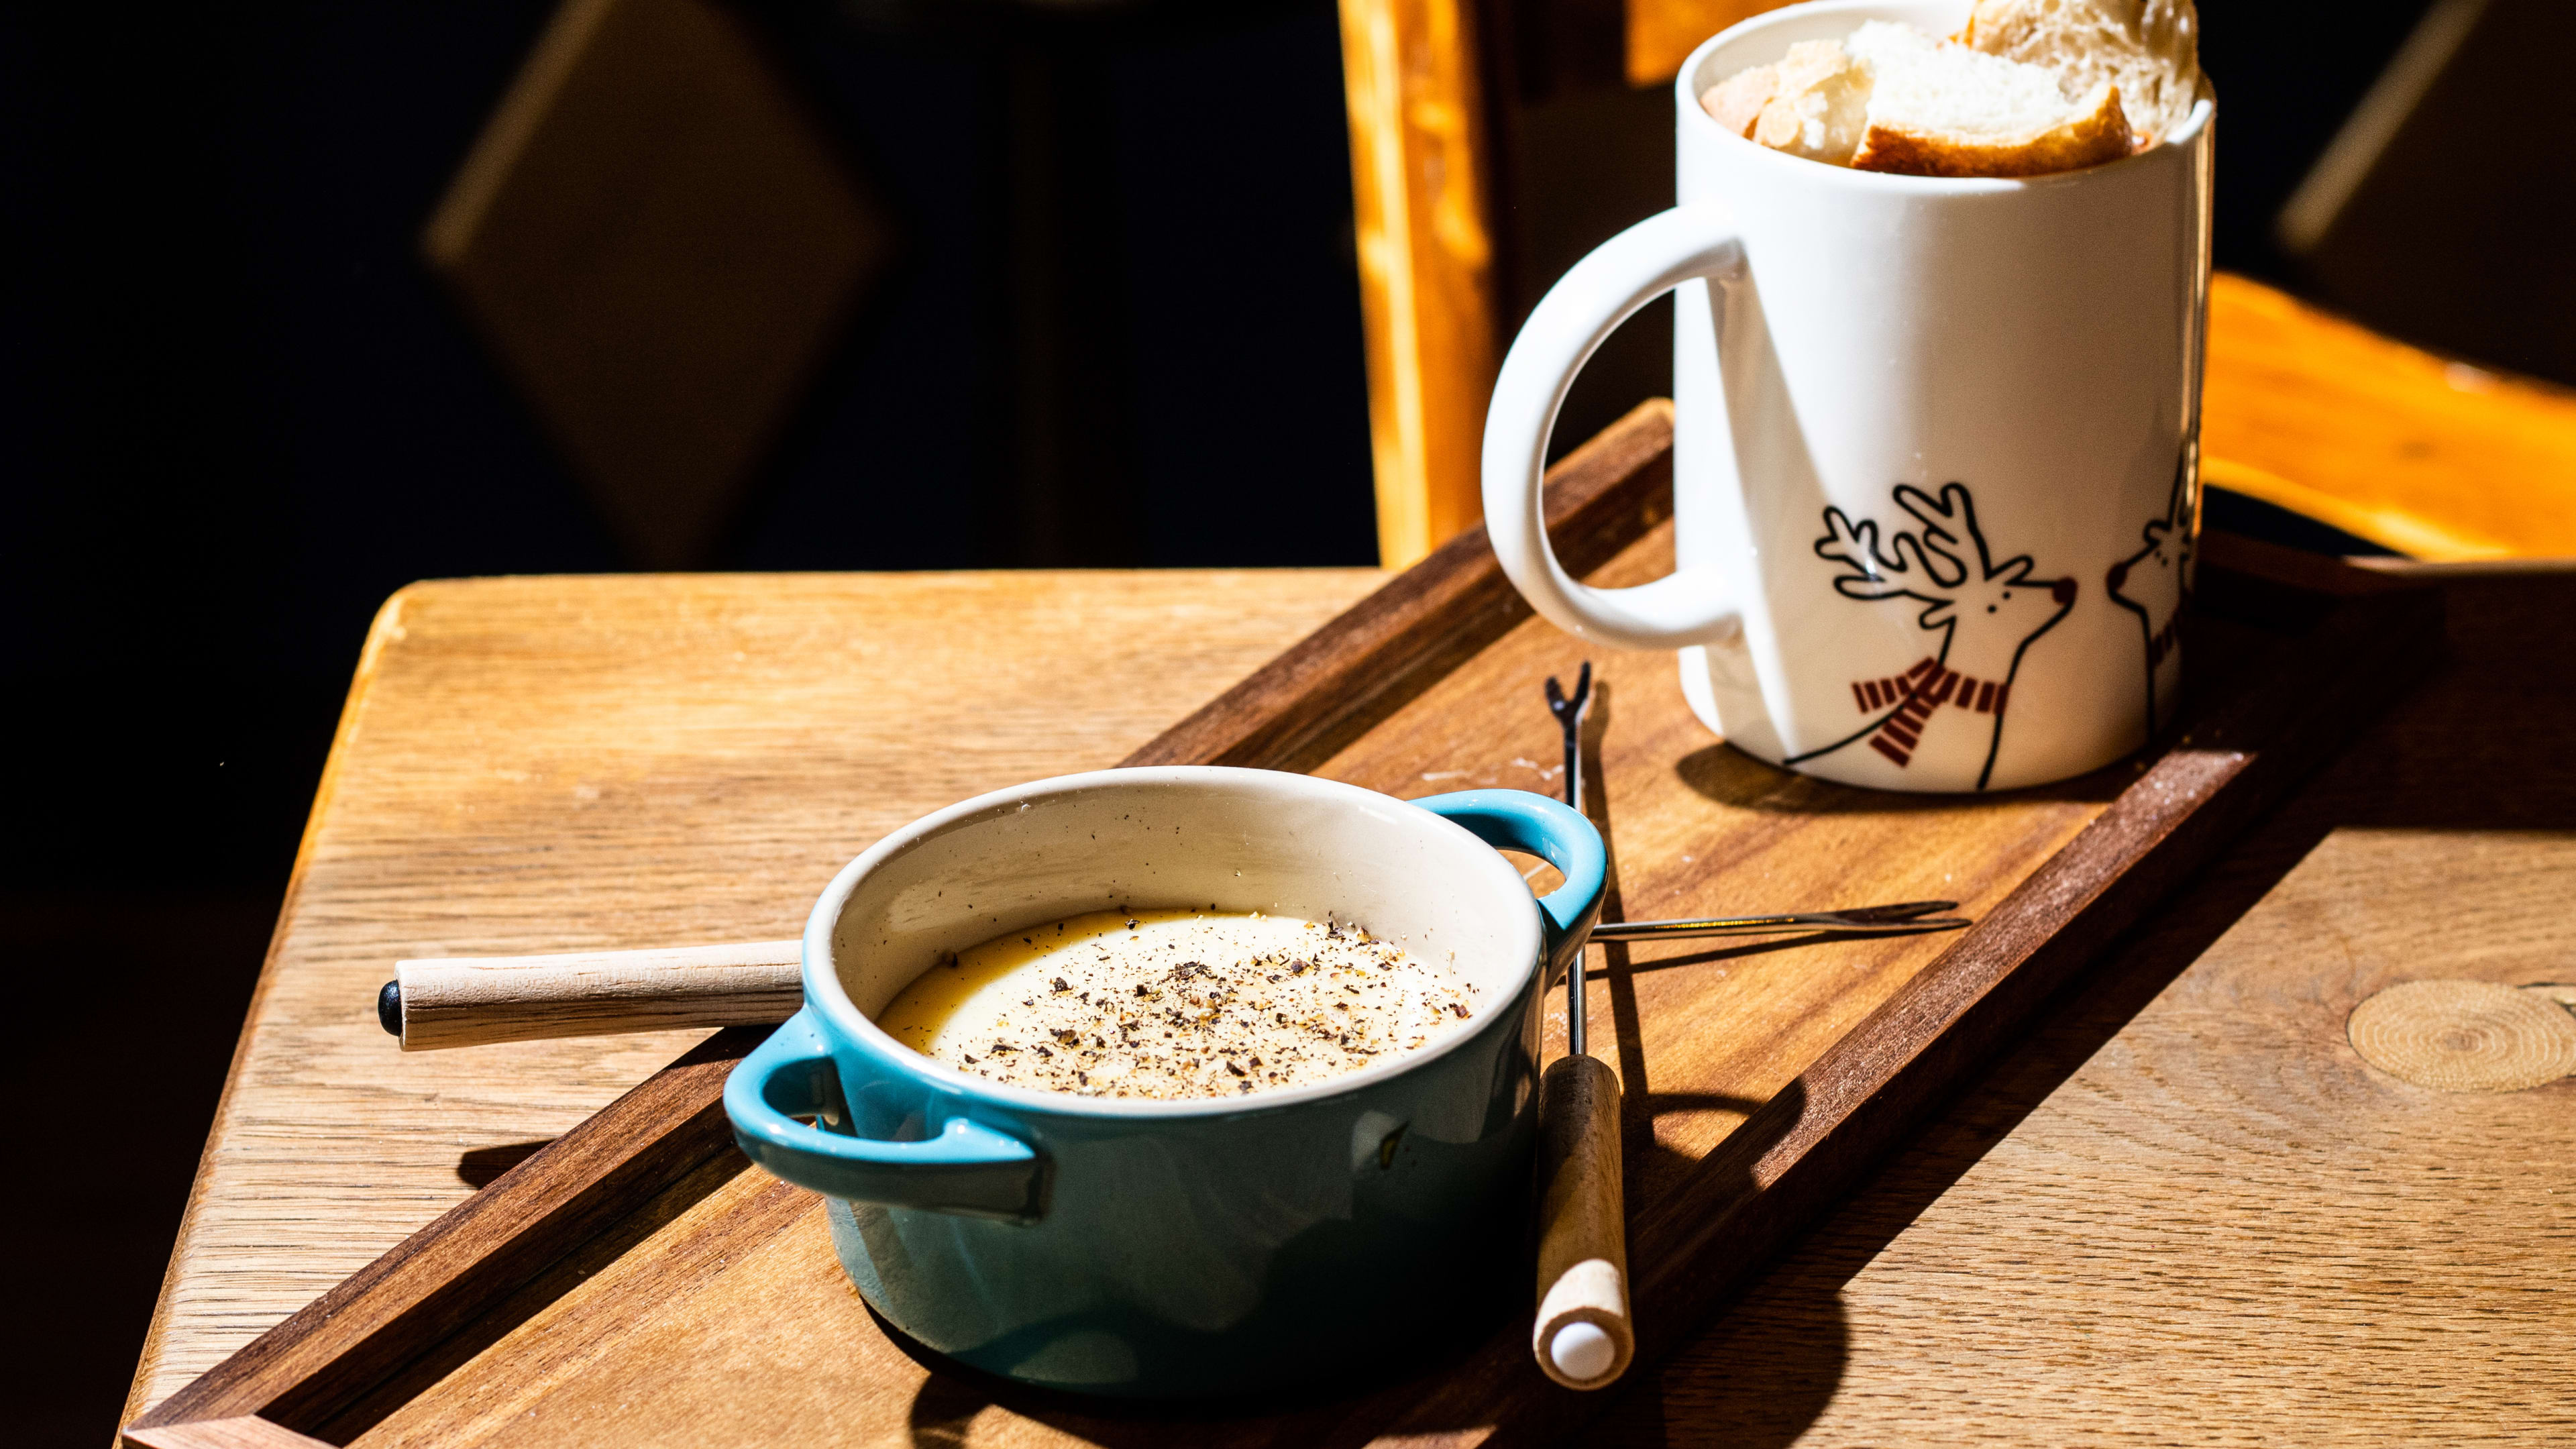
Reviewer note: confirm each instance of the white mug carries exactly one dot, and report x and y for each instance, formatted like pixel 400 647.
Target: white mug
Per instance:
pixel 1935 454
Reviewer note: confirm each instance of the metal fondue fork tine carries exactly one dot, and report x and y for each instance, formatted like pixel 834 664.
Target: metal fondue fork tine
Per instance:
pixel 1581 1334
pixel 1569 718
pixel 1889 919
pixel 1876 920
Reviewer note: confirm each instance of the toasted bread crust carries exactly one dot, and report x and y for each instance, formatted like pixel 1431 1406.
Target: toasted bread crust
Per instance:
pixel 2102 134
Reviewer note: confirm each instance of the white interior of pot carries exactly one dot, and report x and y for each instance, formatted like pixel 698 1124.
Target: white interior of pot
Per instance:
pixel 1234 840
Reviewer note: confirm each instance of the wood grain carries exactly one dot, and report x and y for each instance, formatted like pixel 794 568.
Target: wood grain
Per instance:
pixel 554 764
pixel 1413 82
pixel 2464 1036
pixel 244 1432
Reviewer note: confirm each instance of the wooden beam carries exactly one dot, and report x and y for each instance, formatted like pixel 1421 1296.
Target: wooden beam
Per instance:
pixel 1421 207
pixel 1663 33
pixel 2431 457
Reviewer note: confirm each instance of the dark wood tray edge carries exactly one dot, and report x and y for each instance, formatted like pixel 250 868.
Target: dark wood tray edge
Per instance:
pixel 1330 687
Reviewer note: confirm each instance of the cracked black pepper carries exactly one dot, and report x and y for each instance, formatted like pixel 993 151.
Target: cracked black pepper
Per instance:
pixel 1177 1004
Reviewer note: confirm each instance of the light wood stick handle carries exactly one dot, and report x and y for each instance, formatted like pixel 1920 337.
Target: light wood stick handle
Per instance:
pixel 476 1000
pixel 1583 1338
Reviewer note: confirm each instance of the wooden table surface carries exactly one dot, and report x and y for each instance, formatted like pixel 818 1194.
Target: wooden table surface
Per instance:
pixel 2186 1210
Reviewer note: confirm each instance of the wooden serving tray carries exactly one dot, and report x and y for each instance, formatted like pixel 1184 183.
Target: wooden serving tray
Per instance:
pixel 633 1282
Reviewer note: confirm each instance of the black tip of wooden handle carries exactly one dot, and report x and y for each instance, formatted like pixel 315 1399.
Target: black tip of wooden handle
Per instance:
pixel 389 1008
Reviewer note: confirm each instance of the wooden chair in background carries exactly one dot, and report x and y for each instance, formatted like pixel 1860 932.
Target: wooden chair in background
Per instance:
pixel 2433 458
pixel 1440 93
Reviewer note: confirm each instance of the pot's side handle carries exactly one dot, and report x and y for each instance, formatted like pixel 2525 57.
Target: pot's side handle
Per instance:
pixel 1519 820
pixel 969 1168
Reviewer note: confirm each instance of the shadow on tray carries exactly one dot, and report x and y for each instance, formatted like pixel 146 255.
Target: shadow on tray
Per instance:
pixel 1762 1368
pixel 1406 1399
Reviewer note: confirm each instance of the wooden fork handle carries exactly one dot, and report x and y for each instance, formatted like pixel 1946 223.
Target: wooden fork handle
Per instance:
pixel 476 1000
pixel 1583 1337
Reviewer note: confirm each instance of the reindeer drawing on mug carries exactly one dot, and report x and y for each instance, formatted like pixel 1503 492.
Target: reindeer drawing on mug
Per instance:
pixel 2154 583
pixel 1985 613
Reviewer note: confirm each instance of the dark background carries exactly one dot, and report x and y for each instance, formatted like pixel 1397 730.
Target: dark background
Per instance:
pixel 238 413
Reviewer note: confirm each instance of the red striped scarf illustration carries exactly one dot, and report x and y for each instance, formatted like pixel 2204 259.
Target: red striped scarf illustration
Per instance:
pixel 1985 612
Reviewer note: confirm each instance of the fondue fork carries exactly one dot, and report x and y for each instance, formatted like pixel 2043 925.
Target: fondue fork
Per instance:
pixel 1569 718
pixel 1582 1336
pixel 480 1000
pixel 474 1001
pixel 1869 920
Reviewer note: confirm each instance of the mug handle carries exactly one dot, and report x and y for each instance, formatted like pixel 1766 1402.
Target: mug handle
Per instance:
pixel 969 1168
pixel 1623 274
pixel 1553 832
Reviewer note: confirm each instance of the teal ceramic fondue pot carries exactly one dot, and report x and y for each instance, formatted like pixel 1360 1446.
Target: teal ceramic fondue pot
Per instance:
pixel 1161 1248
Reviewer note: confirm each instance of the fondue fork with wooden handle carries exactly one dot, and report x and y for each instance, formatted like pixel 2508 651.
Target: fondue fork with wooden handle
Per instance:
pixel 1582 1337
pixel 481 1000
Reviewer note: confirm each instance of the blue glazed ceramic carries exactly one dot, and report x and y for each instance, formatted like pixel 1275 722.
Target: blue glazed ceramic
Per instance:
pixel 1147 1248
